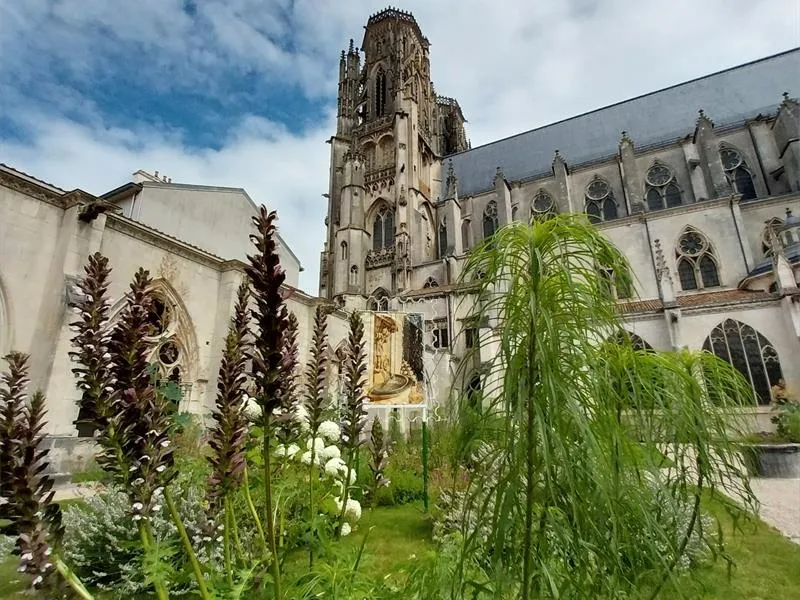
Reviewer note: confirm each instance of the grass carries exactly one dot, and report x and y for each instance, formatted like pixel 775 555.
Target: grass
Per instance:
pixel 767 564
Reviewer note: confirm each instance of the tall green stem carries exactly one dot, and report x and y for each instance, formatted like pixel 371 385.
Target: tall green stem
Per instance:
pixel 237 543
pixel 226 542
pixel 311 511
pixel 249 499
pixel 187 545
pixel 276 568
pixel 73 580
pixel 345 494
pixel 146 538
pixel 529 471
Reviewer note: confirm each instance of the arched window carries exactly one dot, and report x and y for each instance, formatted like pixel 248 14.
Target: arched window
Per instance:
pixel 542 205
pixel 618 290
pixel 443 237
pixel 383 229
pixel 697 265
pixel 738 174
pixel 473 392
pixel 378 300
pixel 465 236
pixel 354 275
pixel 345 253
pixel 636 341
pixel 600 204
pixel 750 352
pixel 430 282
pixel 514 210
pixel 380 93
pixel 490 219
pixel 772 228
pixel 662 191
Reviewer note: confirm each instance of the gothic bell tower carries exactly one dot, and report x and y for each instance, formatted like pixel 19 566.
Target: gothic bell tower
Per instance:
pixel 392 132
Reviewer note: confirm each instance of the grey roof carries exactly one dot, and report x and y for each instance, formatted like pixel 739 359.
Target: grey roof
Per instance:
pixel 729 96
pixel 792 254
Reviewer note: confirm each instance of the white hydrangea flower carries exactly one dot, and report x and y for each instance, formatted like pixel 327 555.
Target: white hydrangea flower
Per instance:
pixel 317 443
pixel 346 529
pixel 292 450
pixel 329 452
pixel 335 466
pixel 306 457
pixel 329 431
pixel 353 510
pixel 280 450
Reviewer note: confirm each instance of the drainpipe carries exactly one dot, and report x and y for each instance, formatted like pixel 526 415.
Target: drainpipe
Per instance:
pixel 739 237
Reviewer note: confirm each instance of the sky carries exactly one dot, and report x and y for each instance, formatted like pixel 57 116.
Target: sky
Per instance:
pixel 242 93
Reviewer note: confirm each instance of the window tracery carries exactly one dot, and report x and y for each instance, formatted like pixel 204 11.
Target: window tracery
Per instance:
pixel 490 219
pixel 662 190
pixel 600 203
pixel 383 229
pixel 430 282
pixel 739 175
pixel 542 205
pixel 697 263
pixel 749 352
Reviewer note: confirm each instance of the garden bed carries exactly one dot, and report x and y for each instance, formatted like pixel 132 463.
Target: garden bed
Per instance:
pixel 768 565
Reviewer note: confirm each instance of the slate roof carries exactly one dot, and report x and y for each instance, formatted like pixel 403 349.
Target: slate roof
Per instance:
pixel 727 97
pixel 765 266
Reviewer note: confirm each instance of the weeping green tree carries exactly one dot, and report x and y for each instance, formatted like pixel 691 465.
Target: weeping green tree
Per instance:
pixel 569 496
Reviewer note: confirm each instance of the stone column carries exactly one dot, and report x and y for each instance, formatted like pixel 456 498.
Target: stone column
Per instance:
pixel 503 198
pixel 787 138
pixel 561 174
pixel 631 177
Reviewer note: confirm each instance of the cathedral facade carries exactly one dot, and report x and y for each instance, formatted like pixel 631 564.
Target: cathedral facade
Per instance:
pixel 697 184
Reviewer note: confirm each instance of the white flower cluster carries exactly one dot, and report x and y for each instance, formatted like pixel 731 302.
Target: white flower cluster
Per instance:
pixel 352 511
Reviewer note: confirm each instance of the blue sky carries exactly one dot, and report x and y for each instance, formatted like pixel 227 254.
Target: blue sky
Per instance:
pixel 241 92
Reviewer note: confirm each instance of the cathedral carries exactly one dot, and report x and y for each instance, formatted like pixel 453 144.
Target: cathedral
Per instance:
pixel 697 184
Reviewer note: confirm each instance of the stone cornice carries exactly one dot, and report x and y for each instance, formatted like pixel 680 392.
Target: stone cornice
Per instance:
pixel 29 188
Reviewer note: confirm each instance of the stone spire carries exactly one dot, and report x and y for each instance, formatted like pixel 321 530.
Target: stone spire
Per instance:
pixel 451 183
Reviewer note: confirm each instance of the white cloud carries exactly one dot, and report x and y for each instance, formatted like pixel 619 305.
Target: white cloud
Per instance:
pixel 512 64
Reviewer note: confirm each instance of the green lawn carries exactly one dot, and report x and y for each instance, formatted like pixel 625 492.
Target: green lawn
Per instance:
pixel 768 565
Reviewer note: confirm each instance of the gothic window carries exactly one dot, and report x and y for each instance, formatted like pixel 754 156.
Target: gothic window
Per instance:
pixel 737 172
pixel 750 352
pixel 662 191
pixel 490 219
pixel 380 93
pixel 600 204
pixel 636 341
pixel 344 251
pixel 542 205
pixel 379 300
pixel 383 229
pixel 513 213
pixel 617 290
pixel 473 391
pixel 773 226
pixel 471 338
pixel 354 275
pixel 440 335
pixel 697 265
pixel 465 237
pixel 430 282
pixel 443 237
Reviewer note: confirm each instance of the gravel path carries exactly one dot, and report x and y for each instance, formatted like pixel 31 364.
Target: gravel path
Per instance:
pixel 780 504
